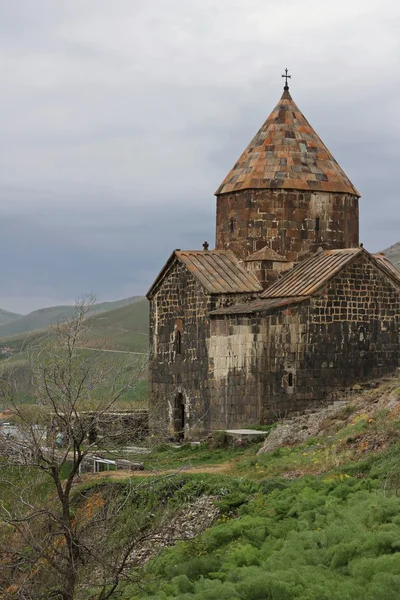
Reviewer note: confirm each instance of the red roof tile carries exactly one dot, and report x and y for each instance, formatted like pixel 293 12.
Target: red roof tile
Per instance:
pixel 286 153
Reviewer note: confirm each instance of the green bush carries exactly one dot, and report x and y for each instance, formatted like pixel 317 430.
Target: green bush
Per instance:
pixel 335 538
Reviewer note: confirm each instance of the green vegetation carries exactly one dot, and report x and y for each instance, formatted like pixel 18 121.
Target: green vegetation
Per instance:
pixel 312 539
pixel 316 521
pixel 167 457
pixel 335 536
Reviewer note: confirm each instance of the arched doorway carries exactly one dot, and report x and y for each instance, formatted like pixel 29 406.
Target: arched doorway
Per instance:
pixel 179 417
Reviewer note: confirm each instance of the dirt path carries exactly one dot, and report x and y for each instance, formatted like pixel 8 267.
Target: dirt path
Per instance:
pixel 115 351
pixel 223 468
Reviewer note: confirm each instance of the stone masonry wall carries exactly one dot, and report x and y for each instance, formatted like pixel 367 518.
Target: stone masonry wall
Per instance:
pixel 235 347
pixel 354 328
pixel 254 358
pixel 180 307
pixel 294 223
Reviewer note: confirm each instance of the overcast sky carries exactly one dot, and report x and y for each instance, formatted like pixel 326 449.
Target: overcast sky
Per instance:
pixel 119 119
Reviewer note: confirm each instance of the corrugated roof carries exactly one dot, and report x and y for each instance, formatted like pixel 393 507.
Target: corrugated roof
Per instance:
pixel 286 153
pixel 266 253
pixel 387 265
pixel 219 271
pixel 256 306
pixel 309 275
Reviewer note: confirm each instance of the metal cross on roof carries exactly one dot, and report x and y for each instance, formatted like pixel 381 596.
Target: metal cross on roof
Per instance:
pixel 286 76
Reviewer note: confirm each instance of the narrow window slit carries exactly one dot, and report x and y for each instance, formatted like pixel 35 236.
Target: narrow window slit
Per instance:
pixel 178 342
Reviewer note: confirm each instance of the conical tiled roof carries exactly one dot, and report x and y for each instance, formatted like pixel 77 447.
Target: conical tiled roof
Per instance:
pixel 286 153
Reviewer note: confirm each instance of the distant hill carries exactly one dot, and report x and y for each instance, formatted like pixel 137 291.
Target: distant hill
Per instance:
pixel 124 328
pixel 43 317
pixel 393 254
pixel 6 316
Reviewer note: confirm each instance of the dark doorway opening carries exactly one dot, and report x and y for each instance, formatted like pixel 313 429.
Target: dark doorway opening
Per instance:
pixel 179 418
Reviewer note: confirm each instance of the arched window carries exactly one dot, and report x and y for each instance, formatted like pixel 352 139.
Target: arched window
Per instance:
pixel 232 225
pixel 317 224
pixel 290 380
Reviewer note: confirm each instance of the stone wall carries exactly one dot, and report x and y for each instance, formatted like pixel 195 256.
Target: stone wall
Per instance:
pixel 256 358
pixel 181 377
pixel 356 321
pixel 235 348
pixel 178 378
pixel 292 222
pixel 267 271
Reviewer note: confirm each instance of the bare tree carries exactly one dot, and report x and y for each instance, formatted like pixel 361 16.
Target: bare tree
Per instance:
pixel 55 538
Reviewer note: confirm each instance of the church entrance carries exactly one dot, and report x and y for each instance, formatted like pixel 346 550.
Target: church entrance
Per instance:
pixel 179 418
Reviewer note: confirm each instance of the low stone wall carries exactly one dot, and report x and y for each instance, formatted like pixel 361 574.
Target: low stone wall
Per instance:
pixel 121 427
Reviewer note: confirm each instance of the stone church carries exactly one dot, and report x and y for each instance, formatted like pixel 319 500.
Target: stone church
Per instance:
pixel 289 310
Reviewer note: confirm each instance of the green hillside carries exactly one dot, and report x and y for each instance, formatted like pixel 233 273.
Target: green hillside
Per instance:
pixel 6 316
pixel 43 317
pixel 124 328
pixel 393 254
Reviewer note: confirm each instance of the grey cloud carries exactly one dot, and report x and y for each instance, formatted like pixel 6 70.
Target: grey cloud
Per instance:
pixel 119 121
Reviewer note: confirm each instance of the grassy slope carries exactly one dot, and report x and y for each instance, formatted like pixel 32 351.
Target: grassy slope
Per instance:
pixel 43 317
pixel 316 521
pixel 393 254
pixel 124 328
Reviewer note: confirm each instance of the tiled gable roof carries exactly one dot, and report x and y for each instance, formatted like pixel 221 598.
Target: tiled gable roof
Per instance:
pixel 218 271
pixel 286 153
pixel 310 274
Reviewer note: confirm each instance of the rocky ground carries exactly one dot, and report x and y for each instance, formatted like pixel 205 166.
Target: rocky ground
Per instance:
pixel 187 523
pixel 380 397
